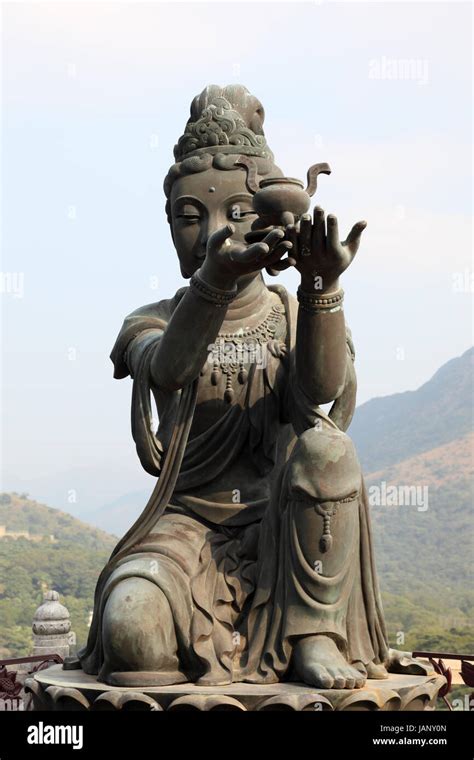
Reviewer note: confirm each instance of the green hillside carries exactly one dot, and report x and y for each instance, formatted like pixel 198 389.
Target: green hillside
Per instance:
pixel 425 557
pixel 425 561
pixel 20 513
pixel 70 565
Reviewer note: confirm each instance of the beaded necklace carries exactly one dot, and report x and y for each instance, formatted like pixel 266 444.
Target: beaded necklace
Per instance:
pixel 232 351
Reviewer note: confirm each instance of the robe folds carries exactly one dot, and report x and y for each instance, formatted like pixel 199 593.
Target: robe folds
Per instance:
pixel 224 567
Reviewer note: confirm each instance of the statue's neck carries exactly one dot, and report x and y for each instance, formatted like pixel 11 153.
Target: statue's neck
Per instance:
pixel 251 302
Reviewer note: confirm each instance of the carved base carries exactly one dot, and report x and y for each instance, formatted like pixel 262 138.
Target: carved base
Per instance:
pixel 58 689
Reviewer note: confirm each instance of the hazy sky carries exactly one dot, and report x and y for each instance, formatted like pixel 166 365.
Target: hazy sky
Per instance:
pixel 95 96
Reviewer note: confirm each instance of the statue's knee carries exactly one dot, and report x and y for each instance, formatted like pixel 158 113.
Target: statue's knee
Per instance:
pixel 137 625
pixel 128 603
pixel 324 465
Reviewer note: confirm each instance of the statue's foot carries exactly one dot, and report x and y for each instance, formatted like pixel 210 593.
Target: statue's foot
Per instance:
pixel 376 671
pixel 372 670
pixel 359 665
pixel 318 662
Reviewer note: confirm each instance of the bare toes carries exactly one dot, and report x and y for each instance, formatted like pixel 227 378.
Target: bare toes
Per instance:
pixel 323 677
pixel 352 676
pixel 350 680
pixel 376 671
pixel 338 676
pixel 356 674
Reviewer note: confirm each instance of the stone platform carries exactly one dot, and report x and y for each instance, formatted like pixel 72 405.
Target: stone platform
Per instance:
pixel 58 689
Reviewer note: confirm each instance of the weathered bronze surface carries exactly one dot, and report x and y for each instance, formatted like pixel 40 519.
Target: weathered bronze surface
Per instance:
pixel 253 560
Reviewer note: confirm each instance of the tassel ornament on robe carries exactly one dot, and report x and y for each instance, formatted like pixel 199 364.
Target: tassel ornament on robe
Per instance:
pixel 327 510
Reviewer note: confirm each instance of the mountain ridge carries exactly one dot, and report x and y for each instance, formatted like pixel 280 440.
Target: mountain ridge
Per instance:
pixel 391 428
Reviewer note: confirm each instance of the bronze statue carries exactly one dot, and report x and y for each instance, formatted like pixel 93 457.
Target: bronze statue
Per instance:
pixel 253 558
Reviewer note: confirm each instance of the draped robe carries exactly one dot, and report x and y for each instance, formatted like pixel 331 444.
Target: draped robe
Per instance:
pixel 225 565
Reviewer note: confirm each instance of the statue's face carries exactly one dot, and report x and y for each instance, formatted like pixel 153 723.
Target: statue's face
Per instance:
pixel 203 203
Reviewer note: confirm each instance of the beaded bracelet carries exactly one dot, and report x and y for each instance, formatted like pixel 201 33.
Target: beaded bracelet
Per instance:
pixel 318 303
pixel 214 295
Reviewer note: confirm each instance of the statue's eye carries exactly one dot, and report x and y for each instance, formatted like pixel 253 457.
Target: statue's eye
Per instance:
pixel 189 218
pixel 189 213
pixel 240 213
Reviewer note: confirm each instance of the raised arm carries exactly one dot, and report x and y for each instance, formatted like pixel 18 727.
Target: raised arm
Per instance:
pixel 321 353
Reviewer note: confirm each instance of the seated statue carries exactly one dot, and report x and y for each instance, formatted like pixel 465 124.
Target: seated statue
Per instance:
pixel 253 559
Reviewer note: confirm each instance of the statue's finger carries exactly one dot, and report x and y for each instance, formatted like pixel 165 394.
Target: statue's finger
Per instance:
pixel 274 257
pixel 273 238
pixel 253 253
pixel 305 235
pixel 319 229
pixel 218 238
pixel 283 264
pixel 332 231
pixel 291 235
pixel 287 218
pixel 353 239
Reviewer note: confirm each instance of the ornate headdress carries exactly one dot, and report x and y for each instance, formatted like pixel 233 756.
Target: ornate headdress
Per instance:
pixel 224 120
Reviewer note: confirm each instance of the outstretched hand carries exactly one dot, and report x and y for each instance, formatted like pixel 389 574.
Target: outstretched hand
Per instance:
pixel 226 260
pixel 318 251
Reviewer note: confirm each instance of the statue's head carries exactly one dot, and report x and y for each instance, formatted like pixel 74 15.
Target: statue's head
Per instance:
pixel 220 158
